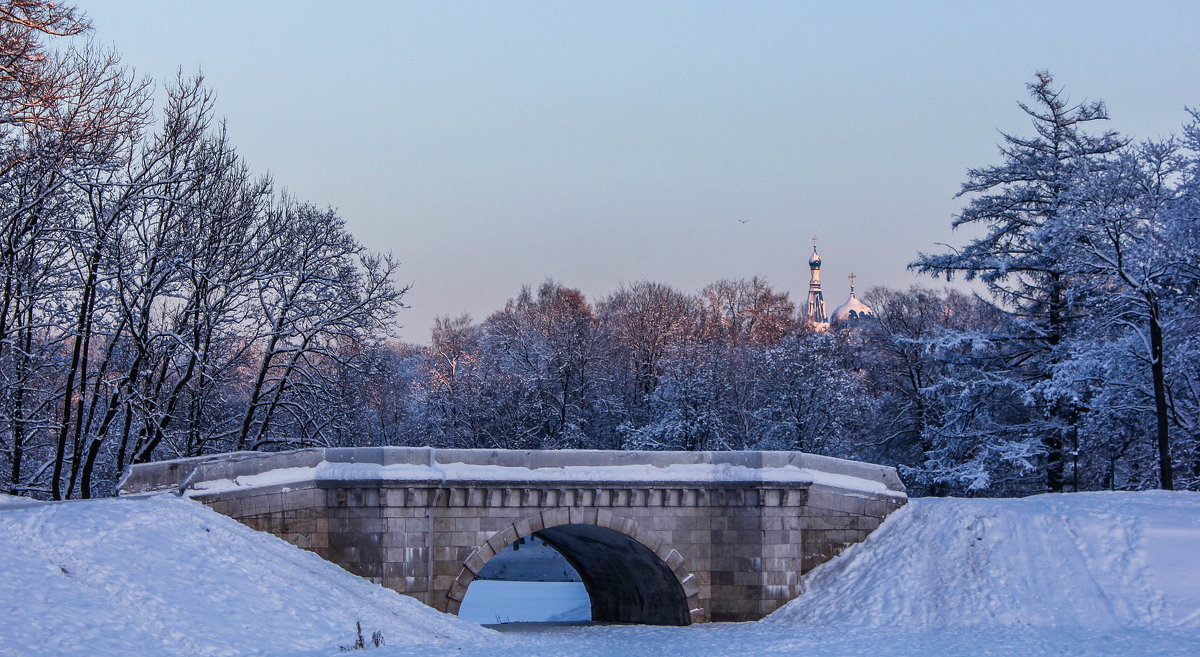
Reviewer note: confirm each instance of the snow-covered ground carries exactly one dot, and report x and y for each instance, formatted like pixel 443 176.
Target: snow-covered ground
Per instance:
pixel 1087 574
pixel 165 576
pixel 12 499
pixel 756 639
pixel 1104 561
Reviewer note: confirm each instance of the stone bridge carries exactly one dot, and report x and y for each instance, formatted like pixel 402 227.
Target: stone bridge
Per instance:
pixel 665 538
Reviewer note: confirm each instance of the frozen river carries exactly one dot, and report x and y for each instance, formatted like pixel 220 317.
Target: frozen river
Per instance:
pixel 490 602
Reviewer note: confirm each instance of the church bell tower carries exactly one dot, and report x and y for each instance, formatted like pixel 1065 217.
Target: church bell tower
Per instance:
pixel 815 311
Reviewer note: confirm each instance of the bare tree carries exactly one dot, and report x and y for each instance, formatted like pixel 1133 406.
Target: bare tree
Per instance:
pixel 319 288
pixel 740 312
pixel 30 83
pixel 644 320
pixel 552 344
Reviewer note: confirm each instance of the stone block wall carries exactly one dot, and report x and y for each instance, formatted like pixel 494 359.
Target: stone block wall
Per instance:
pixel 738 554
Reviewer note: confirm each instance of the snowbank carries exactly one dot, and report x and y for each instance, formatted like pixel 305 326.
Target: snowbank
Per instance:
pixel 16 500
pixel 166 576
pixel 1094 560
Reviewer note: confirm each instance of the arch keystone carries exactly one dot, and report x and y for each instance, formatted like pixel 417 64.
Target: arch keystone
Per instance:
pixel 554 517
pixel 578 515
pixel 605 518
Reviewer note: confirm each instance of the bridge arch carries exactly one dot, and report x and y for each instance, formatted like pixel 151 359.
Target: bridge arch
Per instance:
pixel 631 575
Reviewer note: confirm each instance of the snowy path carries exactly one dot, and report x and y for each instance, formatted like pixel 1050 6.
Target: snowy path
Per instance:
pixel 755 639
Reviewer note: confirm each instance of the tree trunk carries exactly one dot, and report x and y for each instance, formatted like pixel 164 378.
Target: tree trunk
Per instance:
pixel 82 325
pixel 1166 475
pixel 1060 411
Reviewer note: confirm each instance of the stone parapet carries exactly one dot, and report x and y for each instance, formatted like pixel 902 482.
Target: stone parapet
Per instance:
pixel 641 467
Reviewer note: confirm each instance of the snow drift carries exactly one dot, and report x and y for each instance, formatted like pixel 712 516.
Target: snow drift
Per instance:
pixel 1099 560
pixel 167 576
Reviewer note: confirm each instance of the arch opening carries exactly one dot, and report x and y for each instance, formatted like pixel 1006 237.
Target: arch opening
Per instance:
pixel 526 582
pixel 629 575
pixel 625 580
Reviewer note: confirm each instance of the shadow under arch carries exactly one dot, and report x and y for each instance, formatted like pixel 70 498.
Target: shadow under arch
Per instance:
pixel 630 575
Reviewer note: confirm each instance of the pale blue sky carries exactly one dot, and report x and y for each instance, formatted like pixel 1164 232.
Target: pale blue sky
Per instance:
pixel 489 145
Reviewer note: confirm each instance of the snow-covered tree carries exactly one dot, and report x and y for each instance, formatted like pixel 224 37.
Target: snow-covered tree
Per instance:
pixel 319 292
pixel 695 406
pixel 644 320
pixel 1120 221
pixel 1019 206
pixel 551 345
pixel 808 398
pixel 145 275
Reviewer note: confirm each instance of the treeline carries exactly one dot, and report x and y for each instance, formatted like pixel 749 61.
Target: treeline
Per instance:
pixel 156 298
pixel 940 383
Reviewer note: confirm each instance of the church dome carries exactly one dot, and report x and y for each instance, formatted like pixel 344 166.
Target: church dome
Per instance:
pixel 852 311
pixel 815 261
